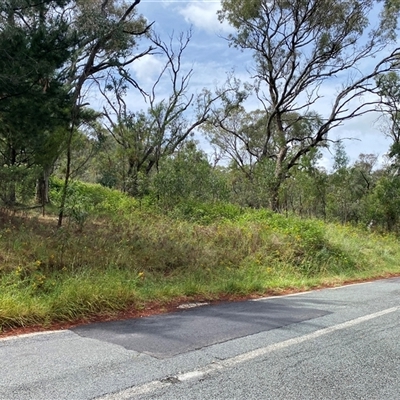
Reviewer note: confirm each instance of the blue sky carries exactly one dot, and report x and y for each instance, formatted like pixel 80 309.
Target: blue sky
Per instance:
pixel 211 59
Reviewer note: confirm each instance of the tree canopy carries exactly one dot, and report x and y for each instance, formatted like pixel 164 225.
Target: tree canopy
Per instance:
pixel 57 56
pixel 299 47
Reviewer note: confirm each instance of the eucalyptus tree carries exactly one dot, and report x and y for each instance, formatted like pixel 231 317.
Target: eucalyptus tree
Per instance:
pixel 147 136
pixel 365 176
pixel 305 191
pixel 340 192
pixel 238 136
pixel 108 34
pixel 383 203
pixel 383 200
pixel 53 49
pixel 187 176
pixel 389 91
pixel 242 137
pixel 301 49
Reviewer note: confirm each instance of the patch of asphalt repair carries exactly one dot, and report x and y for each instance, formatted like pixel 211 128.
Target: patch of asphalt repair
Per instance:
pixel 210 369
pixel 168 335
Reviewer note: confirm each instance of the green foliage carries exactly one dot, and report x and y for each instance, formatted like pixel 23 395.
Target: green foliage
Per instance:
pixel 384 203
pixel 127 256
pixel 298 46
pixel 34 43
pixel 205 213
pixel 340 158
pixel 308 232
pixel 265 148
pixel 390 17
pixel 17 182
pixel 85 200
pixel 34 101
pixel 305 192
pixel 191 233
pixel 188 177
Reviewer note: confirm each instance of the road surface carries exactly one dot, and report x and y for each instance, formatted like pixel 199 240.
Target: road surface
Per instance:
pixel 340 343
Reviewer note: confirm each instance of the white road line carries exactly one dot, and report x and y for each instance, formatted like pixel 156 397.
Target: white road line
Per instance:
pixel 29 335
pixel 310 291
pixel 231 362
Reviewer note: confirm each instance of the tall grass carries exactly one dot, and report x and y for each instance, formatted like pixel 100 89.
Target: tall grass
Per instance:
pixel 126 254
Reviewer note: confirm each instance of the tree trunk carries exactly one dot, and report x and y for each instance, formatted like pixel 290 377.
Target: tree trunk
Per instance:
pixel 10 195
pixel 42 190
pixel 274 197
pixel 279 178
pixel 133 179
pixel 67 176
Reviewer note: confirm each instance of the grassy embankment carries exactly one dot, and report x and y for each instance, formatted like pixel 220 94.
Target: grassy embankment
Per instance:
pixel 119 254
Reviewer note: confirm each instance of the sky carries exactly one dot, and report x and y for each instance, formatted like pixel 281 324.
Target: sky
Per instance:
pixel 211 58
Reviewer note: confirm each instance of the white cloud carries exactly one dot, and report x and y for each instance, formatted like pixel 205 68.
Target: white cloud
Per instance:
pixel 147 69
pixel 203 15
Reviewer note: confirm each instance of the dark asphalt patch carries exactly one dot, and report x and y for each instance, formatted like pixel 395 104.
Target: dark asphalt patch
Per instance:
pixel 167 335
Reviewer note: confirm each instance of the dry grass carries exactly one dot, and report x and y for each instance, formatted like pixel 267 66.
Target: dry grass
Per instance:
pixel 130 259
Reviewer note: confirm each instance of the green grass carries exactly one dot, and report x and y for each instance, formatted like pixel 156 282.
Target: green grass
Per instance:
pixel 129 255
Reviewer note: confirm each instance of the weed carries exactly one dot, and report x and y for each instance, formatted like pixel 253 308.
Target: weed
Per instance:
pixel 126 255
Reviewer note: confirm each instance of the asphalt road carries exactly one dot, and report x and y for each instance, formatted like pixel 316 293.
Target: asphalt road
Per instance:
pixel 338 343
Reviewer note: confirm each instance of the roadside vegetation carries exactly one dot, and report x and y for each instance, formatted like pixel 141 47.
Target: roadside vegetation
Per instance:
pixel 107 201
pixel 115 253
